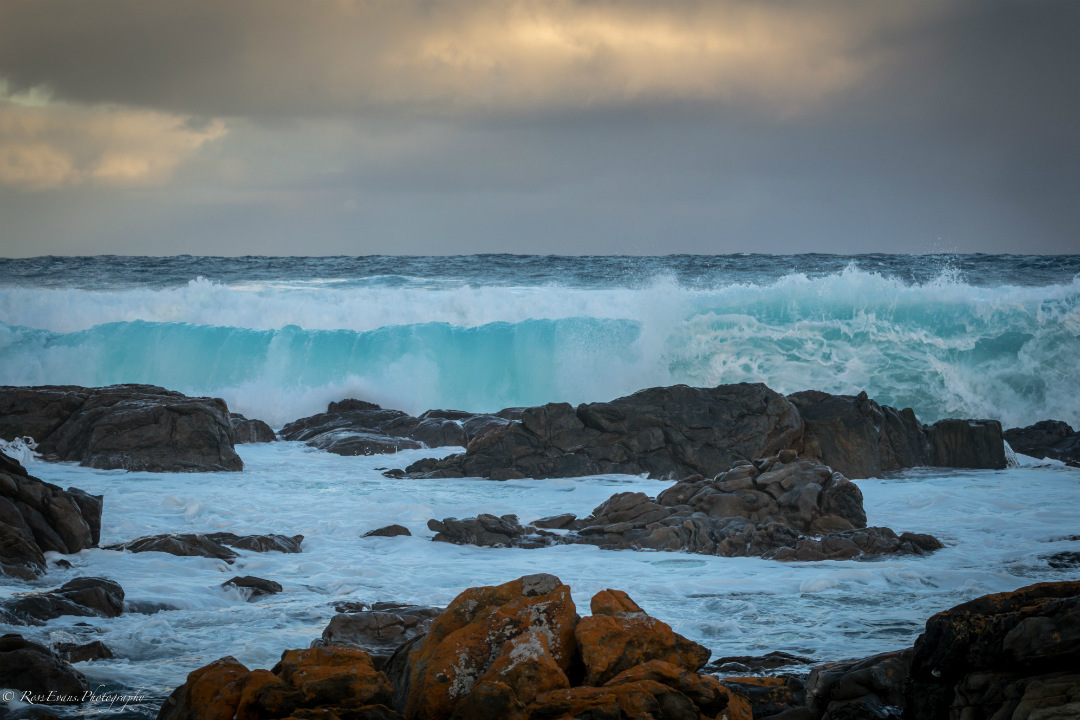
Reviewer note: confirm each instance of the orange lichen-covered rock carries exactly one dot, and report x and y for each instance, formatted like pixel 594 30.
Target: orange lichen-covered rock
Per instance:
pixel 705 691
pixel 474 631
pixel 620 635
pixel 766 695
pixel 211 693
pixel 334 675
pixel 264 694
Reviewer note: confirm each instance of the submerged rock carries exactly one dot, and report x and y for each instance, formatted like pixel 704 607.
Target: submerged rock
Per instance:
pixel 211 545
pixel 796 510
pixel 256 586
pixel 356 427
pixel 250 431
pixel 36 516
pixel 132 427
pixel 1046 439
pixel 83 597
pixel 75 653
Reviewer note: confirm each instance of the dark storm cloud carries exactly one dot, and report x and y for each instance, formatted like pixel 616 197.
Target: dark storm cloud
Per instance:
pixel 340 126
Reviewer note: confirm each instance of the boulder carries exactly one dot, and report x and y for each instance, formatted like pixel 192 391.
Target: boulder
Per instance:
pixel 75 653
pixel 81 597
pixel 212 545
pixel 872 685
pixel 1046 439
pixel 796 510
pixel 1010 655
pixel 250 431
pixel 388 531
pixel 378 630
pixel 356 427
pixel 32 668
pixel 255 586
pixel 36 516
pixel 131 427
pixel 968 444
pixel 663 432
pixel 745 664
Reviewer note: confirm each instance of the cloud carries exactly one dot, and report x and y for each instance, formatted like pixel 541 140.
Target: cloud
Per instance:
pixel 45 145
pixel 306 57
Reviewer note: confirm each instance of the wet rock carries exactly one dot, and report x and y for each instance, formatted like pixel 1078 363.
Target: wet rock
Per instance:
pixel 355 427
pixel 255 585
pixel 747 664
pixel 378 630
pixel 212 545
pixel 794 511
pixel 555 522
pixel 873 684
pixel 250 431
pixel 388 531
pixel 133 427
pixel 780 696
pixel 82 597
pixel 968 444
pixel 36 516
pixel 663 432
pixel 1064 560
pixel 75 653
pixel 1002 655
pixel 1046 439
pixel 29 667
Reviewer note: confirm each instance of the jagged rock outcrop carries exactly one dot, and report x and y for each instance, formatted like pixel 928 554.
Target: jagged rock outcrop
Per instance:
pixel 355 427
pixel 1046 439
pixel 516 651
pixel 782 508
pixel 132 427
pixel 210 545
pixel 665 432
pixel 31 668
pixel 250 430
pixel 1010 655
pixel 36 516
pixel 379 629
pixel 81 597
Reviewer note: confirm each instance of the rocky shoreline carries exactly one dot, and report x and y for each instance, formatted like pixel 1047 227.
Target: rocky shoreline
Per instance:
pixel 754 474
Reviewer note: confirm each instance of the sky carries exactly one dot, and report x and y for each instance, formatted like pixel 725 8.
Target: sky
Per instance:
pixel 324 127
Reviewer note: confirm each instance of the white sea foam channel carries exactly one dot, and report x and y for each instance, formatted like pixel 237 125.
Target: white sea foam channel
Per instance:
pixel 998 527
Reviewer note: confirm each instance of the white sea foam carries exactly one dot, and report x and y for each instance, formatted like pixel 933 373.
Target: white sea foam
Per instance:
pixel 997 525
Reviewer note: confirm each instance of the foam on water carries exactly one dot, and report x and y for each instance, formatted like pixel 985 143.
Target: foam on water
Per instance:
pixel 997 525
pixel 279 351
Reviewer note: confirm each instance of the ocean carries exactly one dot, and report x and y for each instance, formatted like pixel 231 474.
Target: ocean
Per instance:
pixel 278 338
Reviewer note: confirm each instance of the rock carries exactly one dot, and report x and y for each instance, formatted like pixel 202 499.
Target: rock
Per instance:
pixel 556 522
pixel 86 652
pixel 355 427
pixel 858 437
pixel 1066 559
pixel 1001 655
pixel 745 664
pixel 26 666
pixel 132 427
pixel 388 531
pixel 250 431
pixel 82 597
pixel 379 630
pixel 1046 439
pixel 795 511
pixel 664 432
pixel 212 545
pixel 304 684
pixel 781 696
pixel 874 683
pixel 257 586
pixel 968 444
pixel 36 516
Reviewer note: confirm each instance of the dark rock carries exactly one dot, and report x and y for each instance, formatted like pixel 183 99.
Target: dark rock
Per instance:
pixel 756 663
pixel 968 444
pixel 1046 439
pixel 871 685
pixel 1067 559
pixel 858 437
pixel 1001 655
pixel 664 432
pixel 556 522
pixel 82 597
pixel 36 516
pixel 29 667
pixel 212 545
pixel 133 427
pixel 781 696
pixel 356 427
pixel 801 511
pixel 379 630
pixel 75 653
pixel 250 431
pixel 388 531
pixel 257 586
